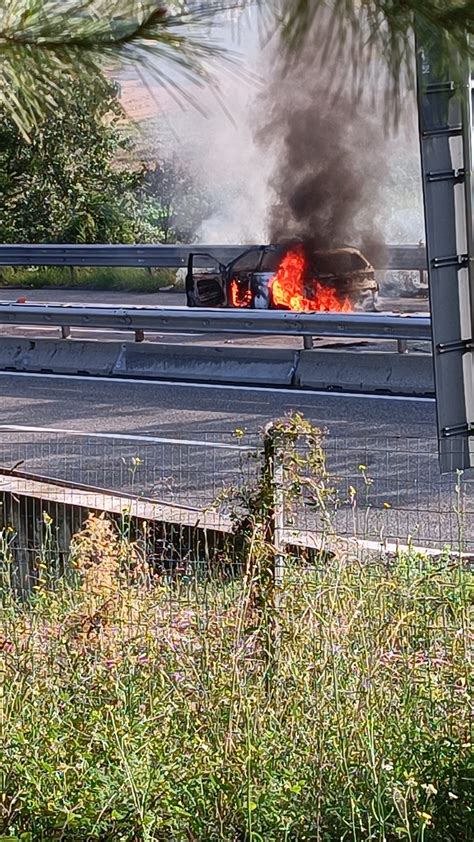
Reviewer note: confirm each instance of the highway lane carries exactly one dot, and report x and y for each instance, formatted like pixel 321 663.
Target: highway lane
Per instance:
pixel 116 298
pixel 187 410
pixel 394 438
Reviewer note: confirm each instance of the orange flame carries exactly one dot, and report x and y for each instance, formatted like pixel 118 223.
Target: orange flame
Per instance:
pixel 287 288
pixel 240 297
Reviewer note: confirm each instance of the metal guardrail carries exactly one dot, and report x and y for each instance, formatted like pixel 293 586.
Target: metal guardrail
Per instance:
pixel 183 320
pixel 401 257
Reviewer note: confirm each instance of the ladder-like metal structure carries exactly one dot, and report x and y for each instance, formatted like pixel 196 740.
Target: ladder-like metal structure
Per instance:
pixel 445 104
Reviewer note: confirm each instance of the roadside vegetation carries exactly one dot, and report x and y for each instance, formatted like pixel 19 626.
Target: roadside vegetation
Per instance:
pixel 126 279
pixel 45 45
pixel 78 178
pixel 201 700
pixel 132 710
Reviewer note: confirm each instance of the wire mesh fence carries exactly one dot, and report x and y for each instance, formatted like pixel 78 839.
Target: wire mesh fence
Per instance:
pixel 380 650
pixel 377 489
pixel 190 472
pixel 169 489
pixel 390 489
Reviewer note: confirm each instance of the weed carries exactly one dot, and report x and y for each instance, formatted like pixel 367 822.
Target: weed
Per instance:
pixel 133 279
pixel 132 711
pixel 329 702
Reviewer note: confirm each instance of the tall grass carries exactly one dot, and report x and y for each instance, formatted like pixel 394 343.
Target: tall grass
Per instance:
pixel 101 278
pixel 133 708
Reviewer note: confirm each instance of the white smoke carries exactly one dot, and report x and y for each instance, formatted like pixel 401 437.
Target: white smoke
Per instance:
pixel 217 142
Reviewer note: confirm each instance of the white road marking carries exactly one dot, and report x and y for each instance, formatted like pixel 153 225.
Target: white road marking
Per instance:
pixel 20 428
pixel 278 390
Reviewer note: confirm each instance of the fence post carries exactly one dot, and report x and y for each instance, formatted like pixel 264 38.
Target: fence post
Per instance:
pixel 279 516
pixel 274 524
pixel 274 473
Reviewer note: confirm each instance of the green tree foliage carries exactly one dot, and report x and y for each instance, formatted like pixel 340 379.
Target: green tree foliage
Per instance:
pixel 63 185
pixel 46 43
pixel 387 22
pixel 173 203
pixel 43 43
pixel 359 28
pixel 77 179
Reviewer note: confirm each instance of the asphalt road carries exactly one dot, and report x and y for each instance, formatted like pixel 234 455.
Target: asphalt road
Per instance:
pixel 159 298
pixel 394 438
pixel 189 411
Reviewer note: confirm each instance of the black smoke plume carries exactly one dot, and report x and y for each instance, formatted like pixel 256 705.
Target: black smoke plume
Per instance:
pixel 329 144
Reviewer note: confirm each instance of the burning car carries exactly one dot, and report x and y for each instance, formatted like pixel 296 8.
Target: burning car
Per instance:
pixel 284 277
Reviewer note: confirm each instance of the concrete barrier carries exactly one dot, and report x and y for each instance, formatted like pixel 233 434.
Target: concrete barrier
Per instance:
pixel 398 374
pixel 13 351
pixel 258 366
pixel 61 356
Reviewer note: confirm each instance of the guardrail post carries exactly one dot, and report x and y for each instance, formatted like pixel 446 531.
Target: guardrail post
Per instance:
pixel 139 335
pixel 402 346
pixel 65 332
pixel 308 343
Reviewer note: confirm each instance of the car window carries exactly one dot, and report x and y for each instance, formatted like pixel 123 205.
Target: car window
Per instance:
pixel 338 262
pixel 258 261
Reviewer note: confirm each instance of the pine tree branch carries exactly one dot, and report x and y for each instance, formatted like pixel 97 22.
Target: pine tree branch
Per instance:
pixel 388 23
pixel 43 43
pixel 46 43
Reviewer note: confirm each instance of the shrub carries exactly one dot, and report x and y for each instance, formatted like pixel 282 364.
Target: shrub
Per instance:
pixel 133 279
pixel 132 710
